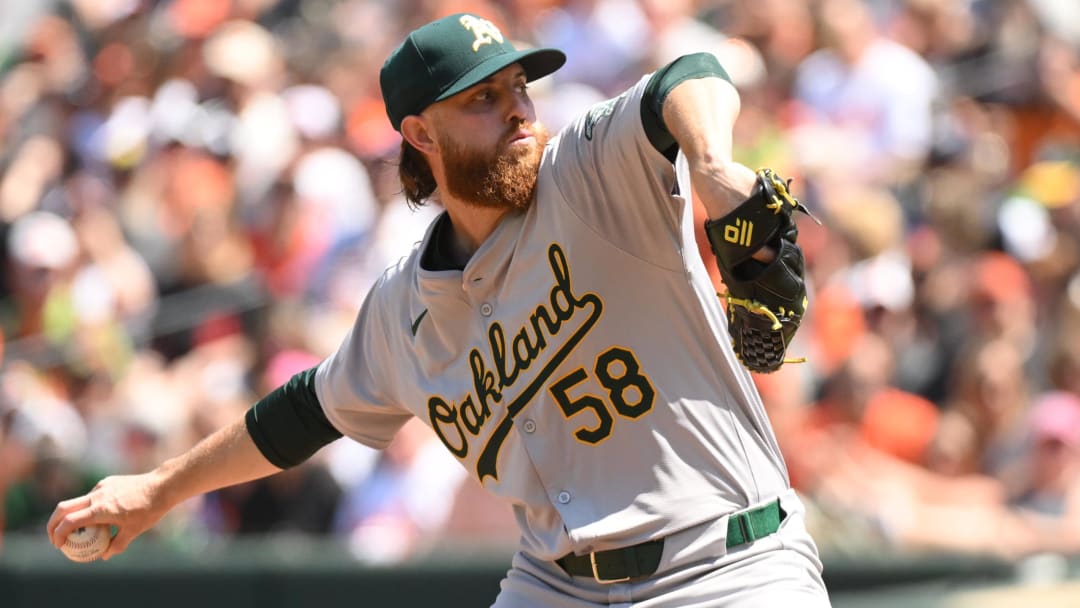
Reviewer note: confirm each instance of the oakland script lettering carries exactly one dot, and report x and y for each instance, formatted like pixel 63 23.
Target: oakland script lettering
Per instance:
pixel 507 358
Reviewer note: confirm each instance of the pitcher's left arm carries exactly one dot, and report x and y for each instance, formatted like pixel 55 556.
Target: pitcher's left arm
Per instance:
pixel 750 227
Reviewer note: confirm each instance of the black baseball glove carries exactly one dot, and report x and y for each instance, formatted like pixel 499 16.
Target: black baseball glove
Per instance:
pixel 765 301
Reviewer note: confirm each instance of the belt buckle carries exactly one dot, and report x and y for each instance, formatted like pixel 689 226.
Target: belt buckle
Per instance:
pixel 596 573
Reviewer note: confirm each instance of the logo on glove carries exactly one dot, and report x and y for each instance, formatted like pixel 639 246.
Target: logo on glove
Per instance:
pixel 739 232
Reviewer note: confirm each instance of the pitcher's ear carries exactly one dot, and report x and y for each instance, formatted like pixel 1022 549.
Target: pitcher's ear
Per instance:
pixel 415 131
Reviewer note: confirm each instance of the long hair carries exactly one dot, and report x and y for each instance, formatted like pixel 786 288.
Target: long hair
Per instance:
pixel 417 181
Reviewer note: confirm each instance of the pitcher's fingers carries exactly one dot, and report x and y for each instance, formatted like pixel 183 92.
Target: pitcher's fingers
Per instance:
pixel 71 522
pixel 118 545
pixel 62 509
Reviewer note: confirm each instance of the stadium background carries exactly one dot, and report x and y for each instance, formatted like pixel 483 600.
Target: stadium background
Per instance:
pixel 196 194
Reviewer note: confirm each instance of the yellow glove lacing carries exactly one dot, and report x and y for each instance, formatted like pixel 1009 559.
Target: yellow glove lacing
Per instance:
pixel 758 308
pixel 783 194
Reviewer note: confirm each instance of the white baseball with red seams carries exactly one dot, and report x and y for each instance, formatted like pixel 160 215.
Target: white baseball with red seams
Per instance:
pixel 87 544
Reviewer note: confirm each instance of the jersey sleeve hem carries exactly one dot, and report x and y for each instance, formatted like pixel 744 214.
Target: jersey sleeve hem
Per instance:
pixel 289 425
pixel 661 83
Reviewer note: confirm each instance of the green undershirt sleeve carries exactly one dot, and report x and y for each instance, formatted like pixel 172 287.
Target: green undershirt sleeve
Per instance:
pixel 660 85
pixel 288 425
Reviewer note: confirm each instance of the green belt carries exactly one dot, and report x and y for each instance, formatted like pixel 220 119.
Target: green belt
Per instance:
pixel 617 565
pixel 749 525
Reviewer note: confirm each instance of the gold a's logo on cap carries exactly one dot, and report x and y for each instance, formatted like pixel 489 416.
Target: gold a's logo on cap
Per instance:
pixel 484 30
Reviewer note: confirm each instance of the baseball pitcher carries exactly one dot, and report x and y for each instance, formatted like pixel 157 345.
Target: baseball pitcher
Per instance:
pixel 557 330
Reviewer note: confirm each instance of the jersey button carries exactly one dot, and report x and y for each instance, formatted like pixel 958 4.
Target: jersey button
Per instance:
pixel 486 309
pixel 564 497
pixel 529 426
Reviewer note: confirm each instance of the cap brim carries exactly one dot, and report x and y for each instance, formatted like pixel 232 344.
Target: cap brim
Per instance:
pixel 536 62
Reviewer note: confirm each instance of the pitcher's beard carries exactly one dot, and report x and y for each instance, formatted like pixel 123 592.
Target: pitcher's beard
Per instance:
pixel 504 178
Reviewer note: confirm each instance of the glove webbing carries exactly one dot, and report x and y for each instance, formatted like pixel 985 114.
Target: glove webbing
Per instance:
pixel 758 308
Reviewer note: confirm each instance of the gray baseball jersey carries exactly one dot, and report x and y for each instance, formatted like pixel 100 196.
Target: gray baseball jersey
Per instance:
pixel 580 365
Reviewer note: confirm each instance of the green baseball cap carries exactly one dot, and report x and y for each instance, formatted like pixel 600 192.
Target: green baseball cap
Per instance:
pixel 449 55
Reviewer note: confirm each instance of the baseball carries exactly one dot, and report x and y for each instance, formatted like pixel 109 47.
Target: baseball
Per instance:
pixel 87 544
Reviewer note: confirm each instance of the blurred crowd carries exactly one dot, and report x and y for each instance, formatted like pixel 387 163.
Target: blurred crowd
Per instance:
pixel 196 194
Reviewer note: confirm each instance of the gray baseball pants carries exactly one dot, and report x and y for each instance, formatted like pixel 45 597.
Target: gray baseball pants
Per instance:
pixel 696 569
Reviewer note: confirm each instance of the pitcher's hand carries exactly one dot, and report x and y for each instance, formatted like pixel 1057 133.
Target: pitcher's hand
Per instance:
pixel 131 503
